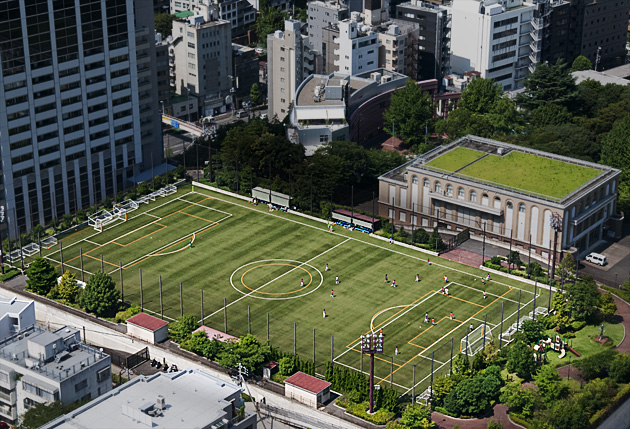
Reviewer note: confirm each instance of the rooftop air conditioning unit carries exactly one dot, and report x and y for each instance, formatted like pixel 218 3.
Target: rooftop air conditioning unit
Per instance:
pixel 385 79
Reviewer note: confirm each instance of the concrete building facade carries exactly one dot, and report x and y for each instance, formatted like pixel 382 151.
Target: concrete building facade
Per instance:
pixel 202 57
pixel 418 195
pixel 322 14
pixel 399 47
pixel 239 13
pixel 356 48
pixel 70 120
pixel 39 366
pixel 492 38
pixel 290 60
pixel 15 316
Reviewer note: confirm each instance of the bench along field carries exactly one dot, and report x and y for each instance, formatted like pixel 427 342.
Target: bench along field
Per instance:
pixel 265 272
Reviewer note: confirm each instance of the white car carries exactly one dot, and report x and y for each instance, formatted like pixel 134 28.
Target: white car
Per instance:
pixel 596 258
pixel 260 51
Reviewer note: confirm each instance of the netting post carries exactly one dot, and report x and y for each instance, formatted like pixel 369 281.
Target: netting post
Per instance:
pixel 161 302
pixel 534 304
pixel 122 289
pixel 501 333
pixel 431 385
pixel 391 372
pixel 549 303
pixel 413 385
pixel 518 309
pixel 361 364
pixel 249 321
pixel 60 255
pixel 141 296
pixel 267 328
pixel 485 328
pixel 102 268
pixel 225 315
pixel 81 259
pixel 181 302
pixel 450 370
pixel 294 339
pixel 202 315
pixel 332 348
pixel 467 343
pixel 313 346
pixel 39 244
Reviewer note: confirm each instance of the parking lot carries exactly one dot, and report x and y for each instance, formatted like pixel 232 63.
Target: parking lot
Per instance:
pixel 617 269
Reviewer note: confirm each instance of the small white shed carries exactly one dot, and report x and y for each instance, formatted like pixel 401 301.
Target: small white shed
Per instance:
pixel 307 389
pixel 147 328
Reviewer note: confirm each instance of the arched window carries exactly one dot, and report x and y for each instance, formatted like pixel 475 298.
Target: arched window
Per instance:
pixel 484 199
pixel 460 193
pixel 414 180
pixel 509 205
pixel 521 208
pixel 426 183
pixel 497 202
pixel 449 190
pixel 473 197
pixel 438 187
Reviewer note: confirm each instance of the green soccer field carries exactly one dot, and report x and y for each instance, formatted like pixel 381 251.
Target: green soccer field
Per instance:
pixel 255 261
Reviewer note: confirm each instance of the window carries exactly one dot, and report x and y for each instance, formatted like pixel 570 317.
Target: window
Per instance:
pixel 190 34
pixel 438 187
pixel 521 208
pixel 414 220
pixel 391 213
pixel 323 138
pixel 191 45
pixel 103 374
pixel 473 197
pixel 403 217
pixel 282 69
pixel 426 183
pixel 414 180
pixel 460 193
pixel 283 89
pixel 449 190
pixel 282 59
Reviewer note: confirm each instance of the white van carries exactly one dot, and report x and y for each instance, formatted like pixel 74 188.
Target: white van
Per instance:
pixel 596 258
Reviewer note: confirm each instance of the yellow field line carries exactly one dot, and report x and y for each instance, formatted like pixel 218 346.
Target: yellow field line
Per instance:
pixel 144 236
pixel 375 357
pixel 104 261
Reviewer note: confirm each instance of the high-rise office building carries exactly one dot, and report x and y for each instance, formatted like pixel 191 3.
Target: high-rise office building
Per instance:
pixel 70 109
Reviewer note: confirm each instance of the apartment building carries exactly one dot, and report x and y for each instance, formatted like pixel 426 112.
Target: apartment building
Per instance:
pixel 202 60
pixel 239 13
pixel 15 316
pixel 38 366
pixel 322 14
pixel 399 47
pixel 290 59
pixel 70 128
pixel 492 38
pixel 433 40
pixel 356 49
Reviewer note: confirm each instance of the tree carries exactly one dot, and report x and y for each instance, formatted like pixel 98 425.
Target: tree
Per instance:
pixel 583 298
pixel 467 398
pixel 198 343
pixel 480 96
pixel 41 277
pixel 608 306
pixel 409 114
pixel 493 424
pixel 616 153
pixel 100 295
pixel 42 413
pixel 581 63
pixel 164 24
pixel 435 242
pixel 620 368
pixel 549 384
pixel 534 270
pixel 532 331
pixel 254 93
pixel 521 401
pixel 548 83
pixel 269 20
pixel 248 351
pixel 68 287
pixel 596 365
pixel 596 394
pixel 182 329
pixel 442 386
pixel 416 417
pixel 286 366
pixel 420 235
pixel 521 360
pixel 514 259
pixel 569 414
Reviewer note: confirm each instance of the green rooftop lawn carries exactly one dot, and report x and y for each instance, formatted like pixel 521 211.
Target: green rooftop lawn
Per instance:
pixel 455 159
pixel 542 176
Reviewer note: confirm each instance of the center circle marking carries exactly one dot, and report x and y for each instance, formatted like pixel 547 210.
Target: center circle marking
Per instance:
pixel 278 293
pixel 288 262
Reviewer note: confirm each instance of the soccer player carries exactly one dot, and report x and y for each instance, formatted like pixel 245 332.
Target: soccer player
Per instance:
pixel 471 326
pixel 324 313
pixel 336 279
pixel 190 243
pixel 332 293
pixel 484 294
pixel 446 291
pixel 451 315
pixel 442 289
pixel 488 277
pixel 445 279
pixel 327 269
pixel 483 282
pixel 393 283
pixel 417 277
pixel 426 317
pixel 396 350
pixel 428 261
pixel 433 321
pixel 386 281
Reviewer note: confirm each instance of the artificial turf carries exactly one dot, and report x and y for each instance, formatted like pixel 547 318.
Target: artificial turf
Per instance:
pixel 255 260
pixel 455 159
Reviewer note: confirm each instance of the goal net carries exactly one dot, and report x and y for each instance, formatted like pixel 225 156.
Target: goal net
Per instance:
pixel 476 340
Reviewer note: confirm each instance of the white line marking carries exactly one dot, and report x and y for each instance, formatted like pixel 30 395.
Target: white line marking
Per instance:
pixel 273 280
pixel 155 312
pixel 488 293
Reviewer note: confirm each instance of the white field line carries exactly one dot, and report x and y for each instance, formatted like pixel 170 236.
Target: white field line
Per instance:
pixel 355 239
pixel 68 265
pixel 488 293
pixel 273 280
pixel 152 215
pixel 492 325
pixel 389 323
pixel 418 383
pixel 205 207
pixel 132 217
pixel 91 242
pixel 155 312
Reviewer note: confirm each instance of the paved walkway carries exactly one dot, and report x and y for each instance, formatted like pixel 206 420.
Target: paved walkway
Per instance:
pixel 623 311
pixel 498 413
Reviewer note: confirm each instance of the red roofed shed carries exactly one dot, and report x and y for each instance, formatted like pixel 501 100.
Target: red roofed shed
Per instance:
pixel 147 328
pixel 307 389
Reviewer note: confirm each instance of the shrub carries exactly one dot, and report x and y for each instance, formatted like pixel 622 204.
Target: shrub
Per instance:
pixel 577 325
pixel 123 315
pixel 496 260
pixel 421 236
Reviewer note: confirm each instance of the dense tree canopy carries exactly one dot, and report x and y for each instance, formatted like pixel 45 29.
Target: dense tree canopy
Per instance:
pixel 616 153
pixel 409 114
pixel 41 276
pixel 548 84
pixel 583 298
pixel 100 295
pixel 164 24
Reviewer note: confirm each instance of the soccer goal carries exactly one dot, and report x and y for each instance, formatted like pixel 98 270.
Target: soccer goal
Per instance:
pixel 30 249
pixel 475 341
pixel 49 242
pixel 103 217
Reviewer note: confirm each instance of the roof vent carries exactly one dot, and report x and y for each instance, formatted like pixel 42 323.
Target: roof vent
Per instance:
pixel 160 403
pixel 500 150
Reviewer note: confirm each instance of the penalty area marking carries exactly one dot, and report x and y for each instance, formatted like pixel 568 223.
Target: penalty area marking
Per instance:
pixel 262 262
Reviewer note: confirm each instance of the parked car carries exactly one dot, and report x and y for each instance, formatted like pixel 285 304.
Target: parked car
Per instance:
pixel 596 258
pixel 242 114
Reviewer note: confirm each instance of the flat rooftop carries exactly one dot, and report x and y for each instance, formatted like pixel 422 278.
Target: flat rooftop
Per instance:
pixel 306 95
pixel 539 174
pixel 12 305
pixel 193 399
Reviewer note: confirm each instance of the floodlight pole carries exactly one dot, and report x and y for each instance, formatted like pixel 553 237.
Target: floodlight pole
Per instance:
pixel 483 246
pixel 518 309
pixel 556 225
pixel 141 296
pixel 371 344
pixel 371 410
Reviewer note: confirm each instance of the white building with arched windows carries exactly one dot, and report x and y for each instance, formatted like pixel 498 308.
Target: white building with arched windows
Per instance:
pixel 511 191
